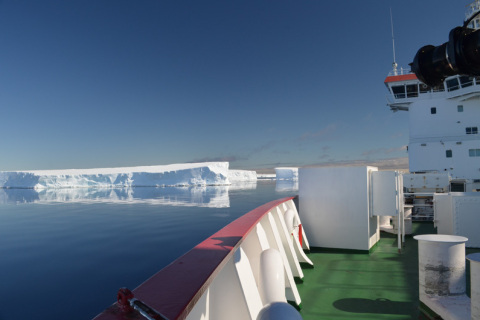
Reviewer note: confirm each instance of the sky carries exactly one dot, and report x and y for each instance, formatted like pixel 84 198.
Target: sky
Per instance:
pixel 261 84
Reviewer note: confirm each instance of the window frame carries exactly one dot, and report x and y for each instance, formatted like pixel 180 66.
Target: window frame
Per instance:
pixel 471 130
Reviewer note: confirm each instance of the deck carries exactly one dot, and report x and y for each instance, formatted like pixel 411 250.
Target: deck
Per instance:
pixel 380 285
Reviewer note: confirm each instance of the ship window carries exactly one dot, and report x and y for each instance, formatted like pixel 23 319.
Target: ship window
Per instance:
pixel 412 91
pixel 433 110
pixel 448 153
pixel 452 84
pixel 474 152
pixel 457 187
pixel 466 81
pixel 398 91
pixel 471 130
pixel 460 108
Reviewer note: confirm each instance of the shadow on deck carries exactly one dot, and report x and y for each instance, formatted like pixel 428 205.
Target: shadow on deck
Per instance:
pixel 382 284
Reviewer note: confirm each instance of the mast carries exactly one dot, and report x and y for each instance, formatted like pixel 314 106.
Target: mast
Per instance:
pixel 394 64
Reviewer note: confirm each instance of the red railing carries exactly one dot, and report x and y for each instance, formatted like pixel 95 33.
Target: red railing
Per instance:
pixel 175 289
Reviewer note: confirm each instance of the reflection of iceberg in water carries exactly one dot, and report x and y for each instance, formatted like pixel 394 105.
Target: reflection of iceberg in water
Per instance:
pixel 243 185
pixel 286 185
pixel 200 196
pixel 16 196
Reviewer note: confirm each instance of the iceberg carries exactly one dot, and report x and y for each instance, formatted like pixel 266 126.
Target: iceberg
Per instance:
pixel 173 175
pixel 266 176
pixel 242 175
pixel 287 173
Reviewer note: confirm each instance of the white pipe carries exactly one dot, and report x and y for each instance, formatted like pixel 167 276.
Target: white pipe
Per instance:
pixel 475 284
pixel 272 276
pixel 289 217
pixel 419 193
pixel 399 233
pixel 279 311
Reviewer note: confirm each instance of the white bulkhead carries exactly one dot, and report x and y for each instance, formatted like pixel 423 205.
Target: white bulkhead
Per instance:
pixel 444 124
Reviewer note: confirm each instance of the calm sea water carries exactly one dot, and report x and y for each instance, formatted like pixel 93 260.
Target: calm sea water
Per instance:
pixel 65 253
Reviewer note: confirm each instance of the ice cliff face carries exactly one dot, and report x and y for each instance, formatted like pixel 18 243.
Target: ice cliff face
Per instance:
pixel 287 173
pixel 242 175
pixel 188 174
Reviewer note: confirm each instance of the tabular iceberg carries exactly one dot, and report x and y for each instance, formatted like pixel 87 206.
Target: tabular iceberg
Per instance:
pixel 186 174
pixel 287 173
pixel 242 175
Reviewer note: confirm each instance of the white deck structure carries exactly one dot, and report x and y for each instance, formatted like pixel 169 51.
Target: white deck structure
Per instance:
pixel 443 122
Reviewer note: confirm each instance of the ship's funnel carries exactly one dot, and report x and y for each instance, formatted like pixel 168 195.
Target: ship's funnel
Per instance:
pixel 460 55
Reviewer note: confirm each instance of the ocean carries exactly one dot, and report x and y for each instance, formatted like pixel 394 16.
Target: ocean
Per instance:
pixel 65 253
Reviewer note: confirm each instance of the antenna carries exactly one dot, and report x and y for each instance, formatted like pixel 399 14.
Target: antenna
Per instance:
pixel 394 64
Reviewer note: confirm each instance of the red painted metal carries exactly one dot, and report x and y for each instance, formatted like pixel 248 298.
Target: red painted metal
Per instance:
pixel 402 77
pixel 124 296
pixel 128 303
pixel 175 289
pixel 300 234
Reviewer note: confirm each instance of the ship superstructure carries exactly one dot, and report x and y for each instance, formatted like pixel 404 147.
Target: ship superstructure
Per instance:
pixel 444 122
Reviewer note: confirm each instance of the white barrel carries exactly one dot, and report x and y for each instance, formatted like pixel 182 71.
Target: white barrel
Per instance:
pixel 272 276
pixel 289 217
pixel 441 264
pixel 279 311
pixel 475 284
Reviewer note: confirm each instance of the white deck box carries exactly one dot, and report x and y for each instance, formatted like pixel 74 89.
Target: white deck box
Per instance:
pixel 335 207
pixel 458 213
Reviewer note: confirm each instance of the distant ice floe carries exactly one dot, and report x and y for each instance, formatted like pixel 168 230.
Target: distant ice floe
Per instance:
pixel 186 174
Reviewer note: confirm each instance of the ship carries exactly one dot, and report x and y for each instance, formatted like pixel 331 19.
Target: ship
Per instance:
pixel 444 142
pixel 356 243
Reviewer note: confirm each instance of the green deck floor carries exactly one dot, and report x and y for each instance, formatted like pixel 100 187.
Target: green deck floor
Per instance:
pixel 380 285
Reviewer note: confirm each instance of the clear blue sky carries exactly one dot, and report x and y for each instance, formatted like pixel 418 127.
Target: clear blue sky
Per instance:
pixel 258 83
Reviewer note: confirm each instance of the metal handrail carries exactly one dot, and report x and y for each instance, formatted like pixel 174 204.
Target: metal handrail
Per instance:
pixel 400 72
